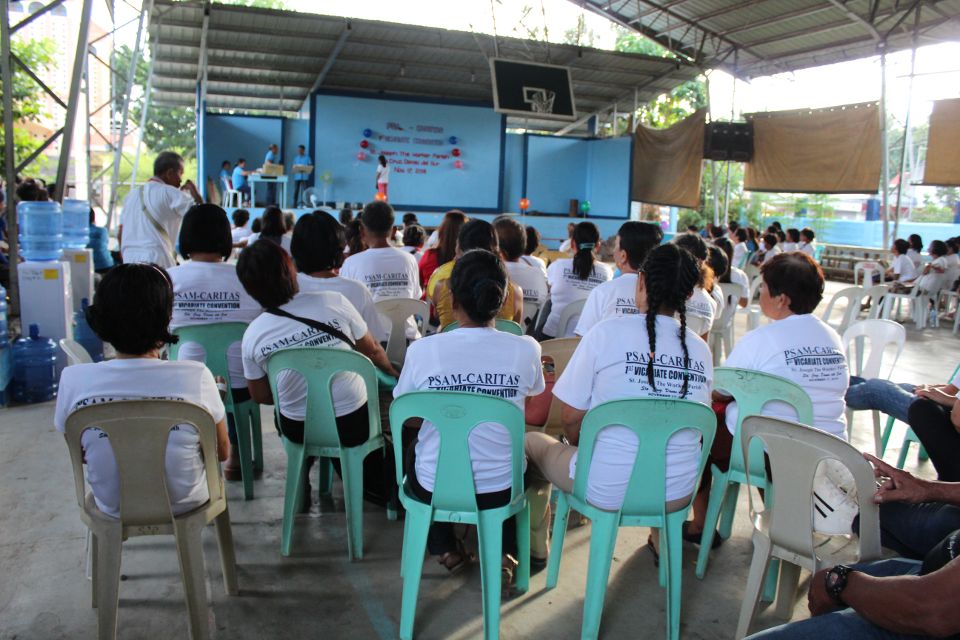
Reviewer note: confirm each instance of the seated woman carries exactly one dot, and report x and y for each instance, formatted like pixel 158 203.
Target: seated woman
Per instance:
pixel 413 239
pixel 446 247
pixel 317 249
pixel 533 247
pixel 612 362
pixel 572 279
pixel 734 275
pixel 131 310
pixel 478 285
pixel 273 227
pixel 933 276
pixel 476 234
pixel 718 263
pixel 206 290
pixel 795 345
pixel 289 318
pixel 701 308
pixel 901 272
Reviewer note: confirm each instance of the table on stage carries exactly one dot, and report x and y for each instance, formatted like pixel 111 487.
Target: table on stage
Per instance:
pixel 256 178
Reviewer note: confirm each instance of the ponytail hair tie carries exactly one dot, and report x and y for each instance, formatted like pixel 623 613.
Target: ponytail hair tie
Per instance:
pixel 586 245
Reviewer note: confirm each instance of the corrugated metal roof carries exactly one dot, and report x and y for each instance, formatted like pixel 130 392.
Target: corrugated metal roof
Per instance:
pixel 762 37
pixel 267 60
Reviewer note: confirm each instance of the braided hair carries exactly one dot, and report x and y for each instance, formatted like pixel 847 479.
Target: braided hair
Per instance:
pixel 670 274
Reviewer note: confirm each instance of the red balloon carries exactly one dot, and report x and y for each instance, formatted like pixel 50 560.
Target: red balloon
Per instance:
pixel 364 143
pixel 380 197
pixel 458 164
pixel 524 204
pixel 456 153
pixel 361 156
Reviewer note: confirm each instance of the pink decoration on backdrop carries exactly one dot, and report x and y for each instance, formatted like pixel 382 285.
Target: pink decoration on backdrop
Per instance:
pixel 458 164
pixel 361 156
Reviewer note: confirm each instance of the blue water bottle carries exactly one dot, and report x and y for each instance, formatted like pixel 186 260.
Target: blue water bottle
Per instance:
pixel 41 230
pixel 34 368
pixel 76 224
pixel 84 335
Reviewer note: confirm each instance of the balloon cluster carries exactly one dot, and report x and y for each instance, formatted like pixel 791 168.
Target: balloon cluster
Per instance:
pixel 455 152
pixel 365 144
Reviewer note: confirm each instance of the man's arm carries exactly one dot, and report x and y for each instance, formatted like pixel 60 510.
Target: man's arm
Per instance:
pixel 571 419
pixel 260 390
pixel 191 189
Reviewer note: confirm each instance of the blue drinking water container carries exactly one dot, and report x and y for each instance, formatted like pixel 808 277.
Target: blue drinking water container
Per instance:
pixel 83 334
pixel 41 230
pixel 76 224
pixel 34 368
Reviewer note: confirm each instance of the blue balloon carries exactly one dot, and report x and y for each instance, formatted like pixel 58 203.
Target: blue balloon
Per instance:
pixel 367 133
pixel 453 139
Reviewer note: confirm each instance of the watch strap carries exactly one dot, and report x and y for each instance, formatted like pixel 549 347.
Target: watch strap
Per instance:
pixel 836 582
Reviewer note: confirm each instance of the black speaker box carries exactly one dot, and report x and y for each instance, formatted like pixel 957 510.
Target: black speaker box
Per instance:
pixel 728 141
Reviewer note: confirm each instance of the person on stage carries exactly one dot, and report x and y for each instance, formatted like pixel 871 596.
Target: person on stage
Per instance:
pixel 272 157
pixel 300 179
pixel 239 181
pixel 383 176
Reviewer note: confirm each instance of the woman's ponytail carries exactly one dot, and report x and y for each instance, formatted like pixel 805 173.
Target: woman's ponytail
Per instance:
pixel 586 238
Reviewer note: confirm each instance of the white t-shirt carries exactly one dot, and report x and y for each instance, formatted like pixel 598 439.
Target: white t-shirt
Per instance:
pixel 719 302
pixel 531 279
pixel 903 268
pixel 788 246
pixel 807 247
pixel 804 350
pixel 433 241
pixel 239 233
pixel 773 251
pixel 83 385
pixel 567 287
pixel 358 295
pixel 388 273
pixel 269 334
pixel 915 257
pixel 953 269
pixel 739 277
pixel 701 311
pixel 933 281
pixel 141 242
pixel 383 174
pixel 610 363
pixel 209 292
pixel 566 245
pixel 612 299
pixel 536 262
pixel 739 254
pixel 478 360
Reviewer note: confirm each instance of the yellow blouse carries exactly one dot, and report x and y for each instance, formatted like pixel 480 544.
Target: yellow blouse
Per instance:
pixel 438 291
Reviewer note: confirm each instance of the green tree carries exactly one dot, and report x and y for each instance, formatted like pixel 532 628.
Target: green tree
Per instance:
pixel 27 106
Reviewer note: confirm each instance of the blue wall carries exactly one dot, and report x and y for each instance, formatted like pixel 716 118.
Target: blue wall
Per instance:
pixel 862 233
pixel 423 171
pixel 512 172
pixel 608 176
pixel 231 137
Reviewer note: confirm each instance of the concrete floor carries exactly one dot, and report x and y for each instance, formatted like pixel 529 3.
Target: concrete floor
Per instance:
pixel 317 592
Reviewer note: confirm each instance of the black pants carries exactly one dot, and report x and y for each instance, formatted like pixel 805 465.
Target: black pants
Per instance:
pixel 239 394
pixel 442 538
pixel 931 422
pixel 353 428
pixel 299 186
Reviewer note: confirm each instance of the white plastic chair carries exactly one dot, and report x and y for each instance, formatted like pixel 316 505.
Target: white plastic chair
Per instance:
pixel 881 334
pixel 853 296
pixel 867 268
pixel 230 196
pixel 568 318
pixel 785 529
pixel 752 311
pixel 721 335
pixel 75 352
pixel 920 302
pixel 874 295
pixel 397 311
pixel 138 432
pixel 530 311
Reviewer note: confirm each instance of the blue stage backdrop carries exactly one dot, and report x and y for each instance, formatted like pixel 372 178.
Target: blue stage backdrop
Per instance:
pixel 227 137
pixel 416 139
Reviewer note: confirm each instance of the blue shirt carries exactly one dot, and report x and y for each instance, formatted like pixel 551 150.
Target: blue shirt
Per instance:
pixel 224 174
pixel 239 180
pixel 300 177
pixel 270 157
pixel 99 239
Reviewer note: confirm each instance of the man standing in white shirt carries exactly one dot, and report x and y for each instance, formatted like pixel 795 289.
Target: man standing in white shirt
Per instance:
pixel 151 216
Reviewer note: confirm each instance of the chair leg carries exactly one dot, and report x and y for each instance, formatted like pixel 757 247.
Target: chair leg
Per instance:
pixel 560 518
pixel 755 580
pixel 228 558
pixel 393 504
pixel 490 539
pixel 522 583
pixel 241 421
pixel 717 492
pixel 325 470
pixel 193 573
pixel 256 431
pixel 293 493
pixel 729 510
pixel 885 438
pixel 108 546
pixel 877 437
pixel 904 449
pixel 351 464
pixel 414 546
pixel 922 454
pixel 603 539
pixel 670 538
pixel 787 593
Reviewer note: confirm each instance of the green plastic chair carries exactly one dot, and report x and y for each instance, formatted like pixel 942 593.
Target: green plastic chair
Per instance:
pixel 455 414
pixel 654 421
pixel 215 339
pixel 318 366
pixel 752 390
pixel 507 326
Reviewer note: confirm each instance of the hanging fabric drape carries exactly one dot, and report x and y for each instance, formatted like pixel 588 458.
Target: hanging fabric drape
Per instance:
pixel 834 150
pixel 943 147
pixel 667 163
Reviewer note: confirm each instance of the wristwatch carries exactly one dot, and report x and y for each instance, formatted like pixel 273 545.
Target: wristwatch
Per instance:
pixel 836 581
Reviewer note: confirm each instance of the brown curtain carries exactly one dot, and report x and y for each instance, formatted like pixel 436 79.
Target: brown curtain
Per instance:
pixel 667 163
pixel 943 147
pixel 835 150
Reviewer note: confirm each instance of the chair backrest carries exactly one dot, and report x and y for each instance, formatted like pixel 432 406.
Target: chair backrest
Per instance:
pixel 455 414
pixel 318 366
pixel 752 390
pixel 795 453
pixel 880 334
pixel 874 294
pixel 558 352
pixel 754 289
pixel 507 326
pixel 654 421
pixel 568 318
pixel 731 299
pixel 75 352
pixel 530 311
pixel 398 310
pixel 867 268
pixel 215 338
pixel 138 431
pixel 853 296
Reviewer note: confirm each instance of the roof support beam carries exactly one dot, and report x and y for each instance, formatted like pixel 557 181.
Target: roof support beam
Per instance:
pixel 202 66
pixel 872 30
pixel 328 63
